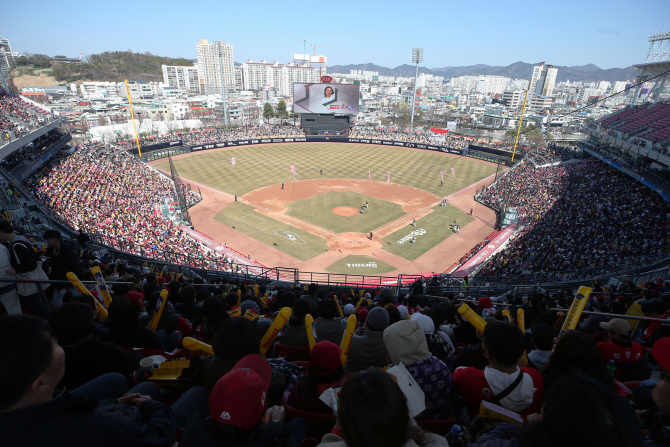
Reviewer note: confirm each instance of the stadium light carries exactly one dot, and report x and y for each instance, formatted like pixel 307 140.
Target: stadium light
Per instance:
pixel 417 58
pixel 659 36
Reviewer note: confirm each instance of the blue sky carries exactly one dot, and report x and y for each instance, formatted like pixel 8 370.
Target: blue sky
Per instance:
pixel 608 33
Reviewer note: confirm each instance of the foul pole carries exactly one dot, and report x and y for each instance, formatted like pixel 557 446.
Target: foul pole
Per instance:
pixel 523 109
pixel 132 116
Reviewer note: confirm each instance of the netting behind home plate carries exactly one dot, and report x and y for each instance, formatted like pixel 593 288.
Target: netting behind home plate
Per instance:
pixel 179 188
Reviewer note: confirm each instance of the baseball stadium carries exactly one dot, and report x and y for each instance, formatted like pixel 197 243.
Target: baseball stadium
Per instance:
pixel 272 283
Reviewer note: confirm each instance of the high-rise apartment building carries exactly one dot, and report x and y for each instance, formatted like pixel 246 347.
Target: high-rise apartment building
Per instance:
pixel 7 61
pixel 280 77
pixel 213 59
pixel 543 79
pixel 182 77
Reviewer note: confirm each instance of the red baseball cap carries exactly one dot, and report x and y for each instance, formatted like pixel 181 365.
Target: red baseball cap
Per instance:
pixel 363 314
pixel 239 397
pixel 661 352
pixel 485 303
pixel 135 297
pixel 325 358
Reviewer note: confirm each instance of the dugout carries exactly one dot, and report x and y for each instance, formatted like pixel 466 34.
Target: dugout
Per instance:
pixel 325 124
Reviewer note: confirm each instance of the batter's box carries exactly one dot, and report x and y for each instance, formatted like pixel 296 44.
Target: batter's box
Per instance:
pixel 437 220
pixel 252 219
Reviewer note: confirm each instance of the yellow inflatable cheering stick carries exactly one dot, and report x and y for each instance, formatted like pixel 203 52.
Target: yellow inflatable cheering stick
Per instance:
pixel 346 339
pixel 84 291
pixel 472 317
pixel 339 309
pixel 193 345
pixel 275 329
pixel 102 286
pixel 160 305
pixel 309 325
pixel 576 309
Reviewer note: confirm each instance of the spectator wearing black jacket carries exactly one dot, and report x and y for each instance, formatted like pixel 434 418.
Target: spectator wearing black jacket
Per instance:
pixel 29 415
pixel 83 238
pixel 86 356
pixel 24 263
pixel 64 257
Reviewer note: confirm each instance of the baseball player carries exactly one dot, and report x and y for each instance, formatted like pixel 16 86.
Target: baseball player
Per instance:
pixel 414 222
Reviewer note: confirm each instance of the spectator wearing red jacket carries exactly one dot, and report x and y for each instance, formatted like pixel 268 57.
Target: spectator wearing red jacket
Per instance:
pixel 619 348
pixel 503 382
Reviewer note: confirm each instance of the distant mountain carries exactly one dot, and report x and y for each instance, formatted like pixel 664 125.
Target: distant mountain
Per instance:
pixel 587 67
pixel 517 70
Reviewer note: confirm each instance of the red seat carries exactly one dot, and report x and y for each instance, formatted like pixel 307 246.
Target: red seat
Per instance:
pixel 293 353
pixel 439 426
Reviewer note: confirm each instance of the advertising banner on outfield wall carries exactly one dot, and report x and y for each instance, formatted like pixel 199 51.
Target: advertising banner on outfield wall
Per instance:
pixel 325 139
pixel 663 193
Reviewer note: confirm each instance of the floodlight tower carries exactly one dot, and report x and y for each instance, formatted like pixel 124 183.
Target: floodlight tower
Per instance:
pixel 417 58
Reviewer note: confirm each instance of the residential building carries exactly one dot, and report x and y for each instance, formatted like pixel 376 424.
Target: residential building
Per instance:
pixel 7 61
pixel 140 90
pixel 513 99
pixel 101 90
pixel 291 73
pixel 493 85
pixel 543 79
pixel 182 77
pixel 215 60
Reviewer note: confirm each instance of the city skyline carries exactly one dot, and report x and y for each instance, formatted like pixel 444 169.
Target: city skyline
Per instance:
pixel 578 33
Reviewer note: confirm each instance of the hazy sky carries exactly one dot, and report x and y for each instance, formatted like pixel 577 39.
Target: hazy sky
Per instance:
pixel 608 33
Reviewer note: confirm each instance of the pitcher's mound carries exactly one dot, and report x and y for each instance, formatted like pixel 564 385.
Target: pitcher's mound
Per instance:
pixel 345 211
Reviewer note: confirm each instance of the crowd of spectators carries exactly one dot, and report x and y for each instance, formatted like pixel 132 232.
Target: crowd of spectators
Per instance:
pixel 113 195
pixel 79 377
pixel 577 216
pixel 206 136
pixel 16 115
pixel 32 150
pixel 255 131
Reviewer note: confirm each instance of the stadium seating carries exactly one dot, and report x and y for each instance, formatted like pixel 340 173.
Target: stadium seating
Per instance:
pixel 651 122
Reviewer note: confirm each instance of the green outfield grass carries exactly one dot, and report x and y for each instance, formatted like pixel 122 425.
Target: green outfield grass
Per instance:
pixel 437 227
pixel 360 265
pixel 259 166
pixel 317 210
pixel 291 240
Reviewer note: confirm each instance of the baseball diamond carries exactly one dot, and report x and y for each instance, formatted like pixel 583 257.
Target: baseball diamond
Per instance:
pixel 345 200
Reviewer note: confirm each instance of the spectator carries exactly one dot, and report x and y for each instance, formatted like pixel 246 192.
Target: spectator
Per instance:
pixel 238 415
pixel 406 343
pixel 576 353
pixel 373 412
pixel 578 412
pixel 30 416
pixel 213 315
pixel 294 332
pixel 438 346
pixel 626 355
pixel 522 388
pixel 83 238
pixel 64 258
pixel 124 326
pixel 86 357
pixel 368 350
pixel 24 264
pixel 394 313
pixel 542 337
pixel 325 371
pixel 327 326
pixel 9 296
pixel 312 300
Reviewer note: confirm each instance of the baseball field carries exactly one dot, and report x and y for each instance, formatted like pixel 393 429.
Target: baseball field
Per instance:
pixel 315 205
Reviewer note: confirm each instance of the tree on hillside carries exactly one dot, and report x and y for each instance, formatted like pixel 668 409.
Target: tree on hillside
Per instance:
pixel 267 111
